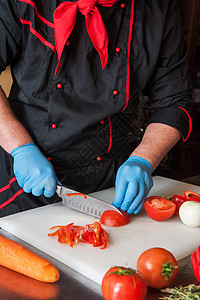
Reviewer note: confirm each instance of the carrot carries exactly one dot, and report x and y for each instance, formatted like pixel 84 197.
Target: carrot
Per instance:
pixel 20 259
pixel 27 287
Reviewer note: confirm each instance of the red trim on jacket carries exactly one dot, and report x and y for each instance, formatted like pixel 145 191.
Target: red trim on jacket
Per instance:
pixel 190 123
pixel 8 185
pixel 110 139
pixel 128 53
pixel 45 42
pixel 14 196
pixel 37 13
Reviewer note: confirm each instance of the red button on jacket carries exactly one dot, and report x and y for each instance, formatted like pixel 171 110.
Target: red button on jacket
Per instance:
pixel 59 85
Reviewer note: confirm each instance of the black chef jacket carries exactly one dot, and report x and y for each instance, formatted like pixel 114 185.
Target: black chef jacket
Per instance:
pixel 83 119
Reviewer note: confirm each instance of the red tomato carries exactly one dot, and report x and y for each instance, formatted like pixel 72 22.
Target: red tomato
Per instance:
pixel 158 267
pixel 113 219
pixel 159 208
pixel 121 283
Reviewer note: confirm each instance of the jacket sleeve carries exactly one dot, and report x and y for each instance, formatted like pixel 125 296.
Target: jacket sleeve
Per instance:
pixel 10 33
pixel 169 89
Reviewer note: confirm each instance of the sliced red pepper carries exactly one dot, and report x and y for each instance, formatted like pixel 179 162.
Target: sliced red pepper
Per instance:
pixel 92 234
pixel 192 194
pixel 195 262
pixel 179 200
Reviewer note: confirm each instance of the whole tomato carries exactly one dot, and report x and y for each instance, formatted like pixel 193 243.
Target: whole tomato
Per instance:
pixel 120 283
pixel 158 267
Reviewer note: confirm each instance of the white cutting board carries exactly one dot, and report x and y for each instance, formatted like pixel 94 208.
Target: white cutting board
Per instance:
pixel 125 243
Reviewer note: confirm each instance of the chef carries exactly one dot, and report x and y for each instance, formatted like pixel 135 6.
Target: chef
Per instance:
pixel 84 74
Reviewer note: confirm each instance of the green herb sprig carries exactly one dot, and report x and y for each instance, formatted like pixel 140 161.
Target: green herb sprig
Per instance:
pixel 190 292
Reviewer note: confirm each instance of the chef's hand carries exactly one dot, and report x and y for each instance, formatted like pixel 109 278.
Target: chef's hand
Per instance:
pixel 34 173
pixel 133 183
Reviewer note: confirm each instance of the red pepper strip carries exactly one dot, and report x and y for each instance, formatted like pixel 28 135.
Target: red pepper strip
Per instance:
pixel 192 194
pixel 55 227
pixel 78 227
pixel 78 232
pixel 75 234
pixel 76 194
pixel 195 262
pixel 77 237
pixel 97 230
pixel 89 237
pixel 98 244
pixel 65 235
pixel 104 239
pixel 55 232
pixel 62 238
pixel 101 236
pixel 179 200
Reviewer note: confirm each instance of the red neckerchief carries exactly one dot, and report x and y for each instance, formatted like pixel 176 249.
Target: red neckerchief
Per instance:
pixel 64 21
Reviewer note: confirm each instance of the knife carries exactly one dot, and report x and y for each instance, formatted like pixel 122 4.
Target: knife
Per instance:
pixel 84 203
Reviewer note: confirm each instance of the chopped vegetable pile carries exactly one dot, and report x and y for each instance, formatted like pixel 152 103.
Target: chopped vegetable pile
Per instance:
pixel 190 292
pixel 72 234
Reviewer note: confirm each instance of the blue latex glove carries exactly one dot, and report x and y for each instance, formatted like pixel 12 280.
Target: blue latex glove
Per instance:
pixel 34 173
pixel 133 183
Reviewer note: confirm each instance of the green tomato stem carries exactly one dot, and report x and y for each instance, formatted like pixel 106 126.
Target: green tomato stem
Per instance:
pixel 167 270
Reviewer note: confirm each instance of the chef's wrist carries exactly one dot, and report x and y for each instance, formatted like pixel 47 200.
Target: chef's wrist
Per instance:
pixel 18 148
pixel 142 160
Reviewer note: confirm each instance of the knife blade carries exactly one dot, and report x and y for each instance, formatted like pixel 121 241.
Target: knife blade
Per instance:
pixel 84 203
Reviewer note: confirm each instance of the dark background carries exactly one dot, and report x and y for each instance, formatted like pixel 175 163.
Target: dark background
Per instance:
pixel 183 161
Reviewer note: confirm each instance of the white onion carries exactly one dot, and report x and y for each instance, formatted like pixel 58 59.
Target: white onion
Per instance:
pixel 189 213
